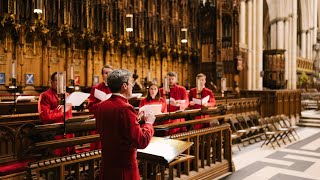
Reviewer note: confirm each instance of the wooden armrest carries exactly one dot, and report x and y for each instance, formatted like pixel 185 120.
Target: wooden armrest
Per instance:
pixel 54 144
pixel 181 158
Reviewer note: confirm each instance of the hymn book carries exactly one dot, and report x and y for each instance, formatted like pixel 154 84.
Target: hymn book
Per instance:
pixel 102 96
pixel 155 108
pixel 201 101
pixel 77 98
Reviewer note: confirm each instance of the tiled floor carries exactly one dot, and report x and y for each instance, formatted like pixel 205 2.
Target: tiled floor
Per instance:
pixel 296 160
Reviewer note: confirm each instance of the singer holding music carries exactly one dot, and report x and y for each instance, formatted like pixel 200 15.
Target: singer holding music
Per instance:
pixel 153 97
pixel 51 112
pixel 201 92
pixel 93 102
pixel 177 95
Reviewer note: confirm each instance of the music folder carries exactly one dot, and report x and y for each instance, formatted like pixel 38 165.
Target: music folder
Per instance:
pixel 163 150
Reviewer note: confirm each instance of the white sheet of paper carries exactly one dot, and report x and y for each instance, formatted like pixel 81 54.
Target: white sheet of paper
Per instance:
pixel 77 98
pixel 25 98
pixel 173 100
pixel 155 108
pixel 136 95
pixel 204 100
pixel 102 96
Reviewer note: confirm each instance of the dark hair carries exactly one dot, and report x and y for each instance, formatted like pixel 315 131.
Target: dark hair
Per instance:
pixel 149 98
pixel 53 75
pixel 106 66
pixel 116 78
pixel 171 73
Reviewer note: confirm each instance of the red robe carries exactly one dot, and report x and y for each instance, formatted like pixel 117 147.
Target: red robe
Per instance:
pixel 178 93
pixel 49 114
pixel 121 136
pixel 212 102
pixel 93 103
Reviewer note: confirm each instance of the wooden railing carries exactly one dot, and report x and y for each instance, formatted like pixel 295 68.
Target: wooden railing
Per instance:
pixel 276 102
pixel 211 150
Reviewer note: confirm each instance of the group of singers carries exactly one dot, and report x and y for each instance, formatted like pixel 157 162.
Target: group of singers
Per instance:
pixel 116 119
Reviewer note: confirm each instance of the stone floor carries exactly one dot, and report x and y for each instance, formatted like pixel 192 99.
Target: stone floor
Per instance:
pixel 296 160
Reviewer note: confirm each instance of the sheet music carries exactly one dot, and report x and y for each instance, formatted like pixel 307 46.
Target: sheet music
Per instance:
pixel 155 108
pixel 77 98
pixel 136 95
pixel 173 100
pixel 102 96
pixel 25 98
pixel 204 100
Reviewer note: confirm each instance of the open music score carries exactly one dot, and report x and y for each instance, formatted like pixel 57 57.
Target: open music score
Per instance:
pixel 163 150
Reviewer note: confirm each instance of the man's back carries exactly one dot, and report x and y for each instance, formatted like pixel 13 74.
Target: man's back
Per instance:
pixel 120 135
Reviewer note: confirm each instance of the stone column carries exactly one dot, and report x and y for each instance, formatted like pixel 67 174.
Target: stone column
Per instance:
pixel 289 58
pixel 308 49
pixel 249 4
pixel 254 44
pixel 294 41
pixel 287 39
pixel 242 22
pixel 303 43
pixel 280 34
pixel 259 57
pixel 273 35
pixel 315 22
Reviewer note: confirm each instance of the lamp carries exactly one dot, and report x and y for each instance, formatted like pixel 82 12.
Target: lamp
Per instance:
pixel 129 21
pixel 184 35
pixel 38 7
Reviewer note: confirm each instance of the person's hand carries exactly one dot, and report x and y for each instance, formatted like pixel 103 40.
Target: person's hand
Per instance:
pixel 149 117
pixel 68 106
pixel 205 104
pixel 192 103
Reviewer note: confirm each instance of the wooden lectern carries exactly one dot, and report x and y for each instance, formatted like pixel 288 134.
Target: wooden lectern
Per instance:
pixel 162 153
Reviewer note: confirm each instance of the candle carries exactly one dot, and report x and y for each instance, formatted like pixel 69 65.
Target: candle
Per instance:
pixel 71 72
pixel 149 76
pixel 166 85
pixel 198 84
pixel 13 69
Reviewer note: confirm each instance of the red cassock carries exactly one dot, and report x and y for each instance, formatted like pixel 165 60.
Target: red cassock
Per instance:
pixel 121 136
pixel 50 114
pixel 178 93
pixel 93 103
pixel 212 102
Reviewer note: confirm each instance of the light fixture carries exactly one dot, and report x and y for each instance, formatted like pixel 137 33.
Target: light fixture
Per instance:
pixel 129 21
pixel 38 7
pixel 184 35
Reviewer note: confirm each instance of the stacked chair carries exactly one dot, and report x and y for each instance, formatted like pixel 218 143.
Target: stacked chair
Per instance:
pixel 250 127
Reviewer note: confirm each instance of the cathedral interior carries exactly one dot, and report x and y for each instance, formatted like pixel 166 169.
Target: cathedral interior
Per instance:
pixel 260 58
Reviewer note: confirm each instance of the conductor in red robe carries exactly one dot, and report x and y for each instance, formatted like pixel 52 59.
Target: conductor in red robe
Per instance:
pixel 201 92
pixel 180 102
pixel 93 102
pixel 120 132
pixel 51 112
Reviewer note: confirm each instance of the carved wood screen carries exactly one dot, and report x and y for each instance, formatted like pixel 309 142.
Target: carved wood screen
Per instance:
pixel 274 69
